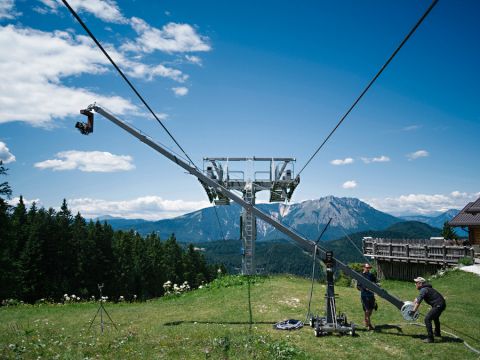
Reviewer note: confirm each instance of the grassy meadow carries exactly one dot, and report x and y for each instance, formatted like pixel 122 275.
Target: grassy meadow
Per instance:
pixel 213 323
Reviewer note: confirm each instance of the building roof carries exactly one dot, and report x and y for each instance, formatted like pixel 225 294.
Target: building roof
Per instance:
pixel 469 216
pixel 474 208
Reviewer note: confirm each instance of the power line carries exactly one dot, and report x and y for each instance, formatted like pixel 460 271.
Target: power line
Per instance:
pixel 75 15
pixel 432 5
pixel 219 223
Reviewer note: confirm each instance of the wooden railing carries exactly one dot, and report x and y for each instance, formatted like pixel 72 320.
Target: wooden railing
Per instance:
pixel 411 252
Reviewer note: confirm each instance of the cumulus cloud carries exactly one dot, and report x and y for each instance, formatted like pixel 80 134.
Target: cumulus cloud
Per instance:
pixel 31 73
pixel 417 154
pixel 180 91
pixel 146 207
pixel 7 9
pixel 28 202
pixel 351 184
pixel 171 38
pixel 106 10
pixel 193 59
pixel 345 161
pixel 381 158
pixel 40 61
pixel 88 161
pixel 423 203
pixel 5 155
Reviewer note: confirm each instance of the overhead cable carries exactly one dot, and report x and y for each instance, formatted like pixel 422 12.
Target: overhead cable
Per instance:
pixel 75 15
pixel 432 5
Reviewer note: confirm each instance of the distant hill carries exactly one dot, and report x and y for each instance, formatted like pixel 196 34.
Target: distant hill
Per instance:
pixel 272 257
pixel 284 256
pixel 308 218
pixel 345 251
pixel 438 220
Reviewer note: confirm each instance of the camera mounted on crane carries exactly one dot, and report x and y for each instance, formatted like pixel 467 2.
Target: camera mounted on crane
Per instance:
pixel 85 127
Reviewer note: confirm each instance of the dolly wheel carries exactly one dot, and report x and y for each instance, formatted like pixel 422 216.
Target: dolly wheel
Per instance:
pixel 317 332
pixel 312 322
pixel 352 332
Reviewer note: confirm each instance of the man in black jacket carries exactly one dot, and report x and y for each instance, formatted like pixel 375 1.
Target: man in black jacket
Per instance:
pixel 433 298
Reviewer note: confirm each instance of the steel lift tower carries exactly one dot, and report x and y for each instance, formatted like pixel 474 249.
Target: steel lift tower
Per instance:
pixel 276 176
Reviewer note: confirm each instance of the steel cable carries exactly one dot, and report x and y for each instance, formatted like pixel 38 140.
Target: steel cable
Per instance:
pixel 432 5
pixel 75 15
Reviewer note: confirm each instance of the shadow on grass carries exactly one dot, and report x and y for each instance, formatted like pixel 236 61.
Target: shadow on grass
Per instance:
pixel 398 331
pixel 180 322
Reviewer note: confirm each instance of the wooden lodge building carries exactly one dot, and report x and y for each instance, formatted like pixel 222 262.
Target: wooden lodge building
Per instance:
pixel 405 259
pixel 469 218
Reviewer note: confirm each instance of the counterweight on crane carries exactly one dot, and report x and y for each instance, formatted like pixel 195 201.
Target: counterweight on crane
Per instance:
pixel 219 188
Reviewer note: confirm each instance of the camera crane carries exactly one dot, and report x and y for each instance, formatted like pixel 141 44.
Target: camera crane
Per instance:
pixel 322 325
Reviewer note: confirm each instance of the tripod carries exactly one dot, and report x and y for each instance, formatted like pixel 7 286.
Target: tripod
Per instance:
pixel 101 310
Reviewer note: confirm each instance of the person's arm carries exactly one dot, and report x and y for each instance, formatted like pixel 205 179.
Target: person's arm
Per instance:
pixel 418 300
pixel 416 305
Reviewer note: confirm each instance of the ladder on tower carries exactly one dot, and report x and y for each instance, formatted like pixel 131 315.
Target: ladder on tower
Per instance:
pixel 249 235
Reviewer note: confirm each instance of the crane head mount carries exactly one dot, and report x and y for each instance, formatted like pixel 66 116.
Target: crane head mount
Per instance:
pixel 85 128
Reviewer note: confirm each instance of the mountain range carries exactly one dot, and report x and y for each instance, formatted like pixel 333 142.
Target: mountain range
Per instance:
pixel 349 215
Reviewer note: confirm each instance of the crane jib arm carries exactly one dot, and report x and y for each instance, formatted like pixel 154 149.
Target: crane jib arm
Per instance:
pixel 307 245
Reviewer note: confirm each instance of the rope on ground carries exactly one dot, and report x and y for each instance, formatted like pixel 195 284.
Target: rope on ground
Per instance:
pixel 468 346
pixel 471 348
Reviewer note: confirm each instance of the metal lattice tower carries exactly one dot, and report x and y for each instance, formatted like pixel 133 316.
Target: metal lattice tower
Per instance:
pixel 276 175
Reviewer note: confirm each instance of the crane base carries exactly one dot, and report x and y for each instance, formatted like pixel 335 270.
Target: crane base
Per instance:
pixel 322 327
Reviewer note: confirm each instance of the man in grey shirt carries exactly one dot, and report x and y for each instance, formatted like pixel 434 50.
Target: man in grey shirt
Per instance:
pixel 433 298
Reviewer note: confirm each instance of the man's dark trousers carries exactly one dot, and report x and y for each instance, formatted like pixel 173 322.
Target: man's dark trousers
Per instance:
pixel 434 314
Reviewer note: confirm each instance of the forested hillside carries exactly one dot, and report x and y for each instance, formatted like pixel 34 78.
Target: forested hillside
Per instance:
pixel 46 254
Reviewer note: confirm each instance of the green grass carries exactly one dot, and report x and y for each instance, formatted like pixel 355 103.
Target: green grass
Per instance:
pixel 213 324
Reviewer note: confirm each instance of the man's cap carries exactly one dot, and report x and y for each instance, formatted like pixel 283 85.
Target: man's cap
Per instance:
pixel 367 265
pixel 419 279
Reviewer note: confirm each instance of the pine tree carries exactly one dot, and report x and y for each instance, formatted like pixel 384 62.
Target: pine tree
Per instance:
pixel 5 189
pixel 6 258
pixel 172 258
pixel 32 266
pixel 448 233
pixel 66 265
pixel 19 228
pixel 84 257
pixel 154 269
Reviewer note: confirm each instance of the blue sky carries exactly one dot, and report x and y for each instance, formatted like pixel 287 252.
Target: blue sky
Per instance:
pixel 268 79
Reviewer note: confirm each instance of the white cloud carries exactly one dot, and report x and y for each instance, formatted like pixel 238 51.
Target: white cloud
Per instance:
pixel 422 203
pixel 106 10
pixel 381 158
pixel 31 73
pixel 411 127
pixel 7 9
pixel 146 207
pixel 180 91
pixel 88 161
pixel 193 59
pixel 351 184
pixel 5 155
pixel 417 154
pixel 171 38
pixel 38 63
pixel 149 72
pixel 14 202
pixel 345 161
